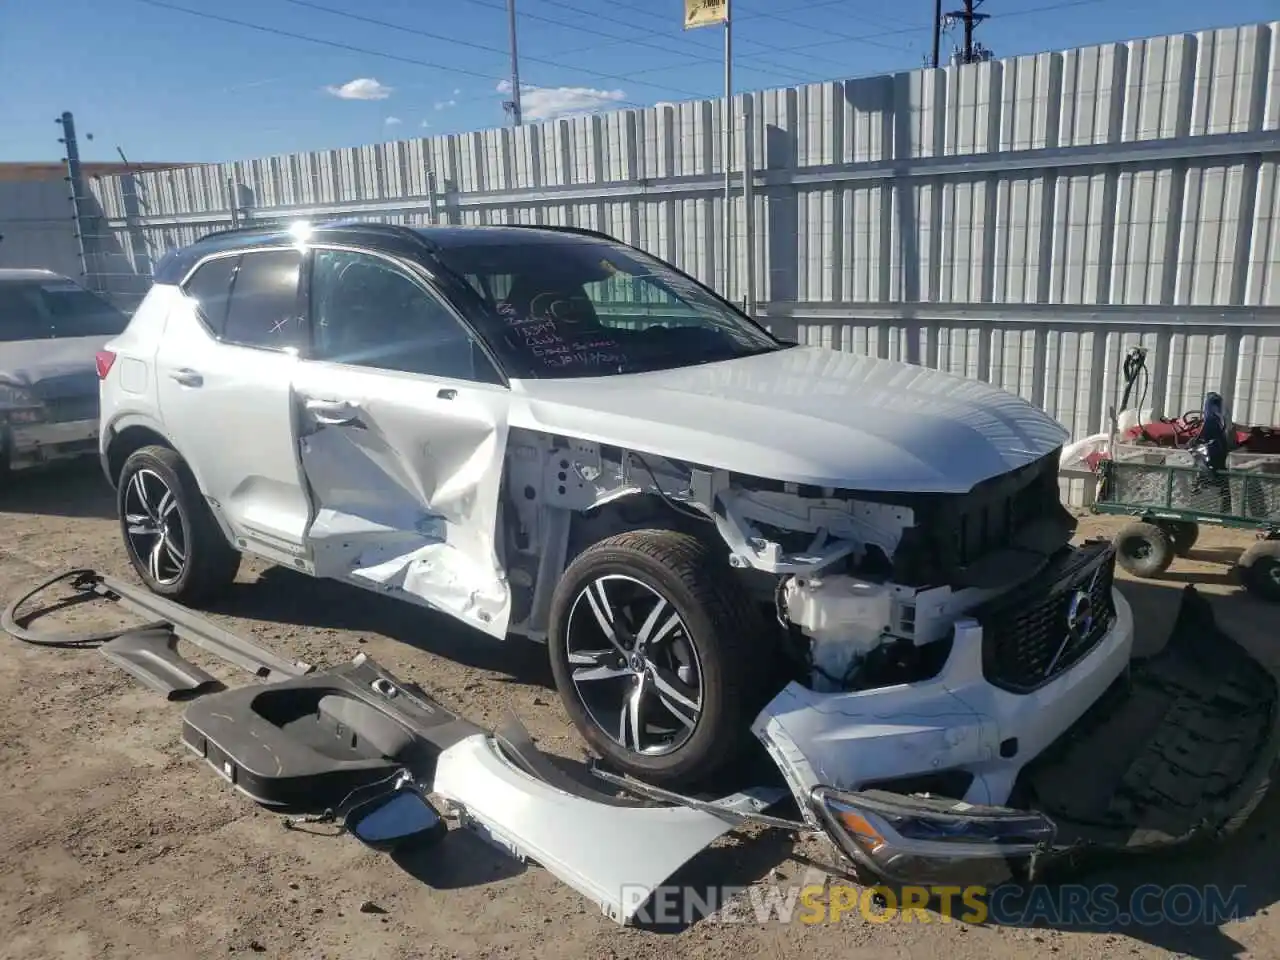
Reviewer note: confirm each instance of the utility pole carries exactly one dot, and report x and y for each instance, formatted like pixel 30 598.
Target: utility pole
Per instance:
pixel 514 103
pixel 971 52
pixel 937 32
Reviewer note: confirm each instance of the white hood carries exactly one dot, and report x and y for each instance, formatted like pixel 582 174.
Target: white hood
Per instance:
pixel 804 415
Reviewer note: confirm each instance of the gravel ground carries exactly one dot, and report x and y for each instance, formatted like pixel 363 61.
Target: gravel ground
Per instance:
pixel 116 842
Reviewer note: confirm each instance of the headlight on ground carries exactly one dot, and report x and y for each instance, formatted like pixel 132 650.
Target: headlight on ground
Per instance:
pixel 921 839
pixel 17 405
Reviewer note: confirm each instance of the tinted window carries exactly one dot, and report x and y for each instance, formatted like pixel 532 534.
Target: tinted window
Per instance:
pixel 21 316
pixel 264 301
pixel 38 310
pixel 75 312
pixel 210 287
pixel 367 311
pixel 577 307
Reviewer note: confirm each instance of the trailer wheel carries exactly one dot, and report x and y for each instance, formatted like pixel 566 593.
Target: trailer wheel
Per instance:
pixel 659 656
pixel 1260 570
pixel 1144 549
pixel 1184 534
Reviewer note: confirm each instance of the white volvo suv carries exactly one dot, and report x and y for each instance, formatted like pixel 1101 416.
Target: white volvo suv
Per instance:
pixel 545 432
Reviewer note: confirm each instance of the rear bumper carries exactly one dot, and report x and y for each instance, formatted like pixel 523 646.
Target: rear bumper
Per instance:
pixel 36 443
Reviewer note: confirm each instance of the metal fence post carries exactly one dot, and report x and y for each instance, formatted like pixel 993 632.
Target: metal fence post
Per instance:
pixel 234 202
pixel 75 182
pixel 748 204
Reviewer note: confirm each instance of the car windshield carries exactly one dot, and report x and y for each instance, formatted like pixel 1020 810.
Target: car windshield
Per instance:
pixel 582 307
pixel 39 310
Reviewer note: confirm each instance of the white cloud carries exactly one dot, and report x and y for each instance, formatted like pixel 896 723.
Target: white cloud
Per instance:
pixel 445 104
pixel 457 93
pixel 547 103
pixel 391 121
pixel 362 88
pixel 426 123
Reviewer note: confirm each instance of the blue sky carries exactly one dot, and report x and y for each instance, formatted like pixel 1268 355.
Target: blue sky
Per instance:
pixel 163 84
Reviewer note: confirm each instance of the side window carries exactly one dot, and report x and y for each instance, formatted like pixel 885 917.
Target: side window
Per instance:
pixel 264 302
pixel 369 312
pixel 210 288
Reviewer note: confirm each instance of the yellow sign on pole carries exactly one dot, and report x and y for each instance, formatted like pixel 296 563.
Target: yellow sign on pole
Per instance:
pixel 705 13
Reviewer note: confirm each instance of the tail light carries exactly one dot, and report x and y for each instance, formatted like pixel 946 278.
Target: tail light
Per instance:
pixel 104 359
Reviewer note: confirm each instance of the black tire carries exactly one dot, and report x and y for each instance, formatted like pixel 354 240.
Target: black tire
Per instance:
pixel 1259 568
pixel 209 563
pixel 1184 534
pixel 718 623
pixel 1144 549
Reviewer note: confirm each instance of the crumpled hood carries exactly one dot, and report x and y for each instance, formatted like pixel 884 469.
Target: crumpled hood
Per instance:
pixel 49 368
pixel 805 415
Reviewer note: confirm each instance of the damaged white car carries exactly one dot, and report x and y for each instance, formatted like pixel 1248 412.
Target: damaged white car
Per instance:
pixel 545 432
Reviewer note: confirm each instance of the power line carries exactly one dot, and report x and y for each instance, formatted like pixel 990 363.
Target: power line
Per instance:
pixel 402 28
pixel 632 39
pixel 714 47
pixel 829 32
pixel 1004 16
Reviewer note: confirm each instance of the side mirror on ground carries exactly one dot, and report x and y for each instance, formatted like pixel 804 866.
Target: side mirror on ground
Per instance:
pixel 396 820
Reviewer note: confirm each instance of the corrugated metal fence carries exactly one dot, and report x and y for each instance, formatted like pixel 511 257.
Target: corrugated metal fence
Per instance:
pixel 1021 221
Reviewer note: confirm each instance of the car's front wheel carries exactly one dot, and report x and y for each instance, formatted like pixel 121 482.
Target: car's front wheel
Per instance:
pixel 172 539
pixel 661 659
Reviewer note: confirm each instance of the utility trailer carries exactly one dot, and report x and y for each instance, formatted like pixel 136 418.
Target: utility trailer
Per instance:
pixel 1170 496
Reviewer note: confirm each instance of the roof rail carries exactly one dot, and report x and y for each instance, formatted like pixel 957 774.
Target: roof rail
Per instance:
pixel 581 231
pixel 233 231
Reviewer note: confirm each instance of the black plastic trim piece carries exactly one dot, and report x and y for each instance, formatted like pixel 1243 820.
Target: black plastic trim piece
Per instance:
pixel 308 743
pixel 186 624
pixel 151 657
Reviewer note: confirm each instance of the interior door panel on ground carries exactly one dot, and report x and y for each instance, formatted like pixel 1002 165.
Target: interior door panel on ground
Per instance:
pixel 223 371
pixel 403 428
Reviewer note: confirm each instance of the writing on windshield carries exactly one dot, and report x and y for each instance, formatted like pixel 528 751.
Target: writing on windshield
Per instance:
pixel 594 308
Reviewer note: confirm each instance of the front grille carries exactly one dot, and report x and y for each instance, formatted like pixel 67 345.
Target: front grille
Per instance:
pixel 68 409
pixel 1029 635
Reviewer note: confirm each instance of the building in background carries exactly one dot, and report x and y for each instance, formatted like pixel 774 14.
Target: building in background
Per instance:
pixel 37 223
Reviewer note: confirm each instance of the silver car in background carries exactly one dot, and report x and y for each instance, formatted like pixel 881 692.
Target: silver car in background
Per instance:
pixel 51 329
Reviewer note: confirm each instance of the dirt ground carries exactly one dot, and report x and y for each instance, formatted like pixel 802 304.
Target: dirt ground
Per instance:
pixel 116 842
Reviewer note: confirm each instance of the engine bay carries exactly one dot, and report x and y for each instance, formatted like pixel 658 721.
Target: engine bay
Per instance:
pixel 865 588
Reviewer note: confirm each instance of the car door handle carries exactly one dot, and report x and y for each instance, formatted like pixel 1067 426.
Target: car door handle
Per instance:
pixel 446 393
pixel 335 413
pixel 187 377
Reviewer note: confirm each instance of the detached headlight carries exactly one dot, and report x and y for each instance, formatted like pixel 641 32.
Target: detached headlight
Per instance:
pixel 916 839
pixel 17 405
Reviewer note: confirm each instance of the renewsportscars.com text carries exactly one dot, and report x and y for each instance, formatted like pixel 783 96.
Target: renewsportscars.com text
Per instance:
pixel 1077 905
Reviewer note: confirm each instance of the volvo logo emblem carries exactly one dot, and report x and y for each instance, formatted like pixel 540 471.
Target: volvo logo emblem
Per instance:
pixel 1080 621
pixel 1079 616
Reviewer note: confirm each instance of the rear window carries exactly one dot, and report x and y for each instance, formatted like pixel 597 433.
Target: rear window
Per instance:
pixel 39 310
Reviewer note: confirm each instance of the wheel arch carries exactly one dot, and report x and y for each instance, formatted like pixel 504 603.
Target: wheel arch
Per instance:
pixel 129 435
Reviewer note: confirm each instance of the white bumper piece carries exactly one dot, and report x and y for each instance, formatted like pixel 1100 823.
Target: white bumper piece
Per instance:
pixel 956 721
pixel 616 856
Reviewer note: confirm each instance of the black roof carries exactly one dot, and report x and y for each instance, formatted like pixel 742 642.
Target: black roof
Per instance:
pixel 386 237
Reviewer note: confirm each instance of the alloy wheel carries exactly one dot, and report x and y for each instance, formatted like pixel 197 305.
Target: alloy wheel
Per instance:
pixel 634 665
pixel 153 526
